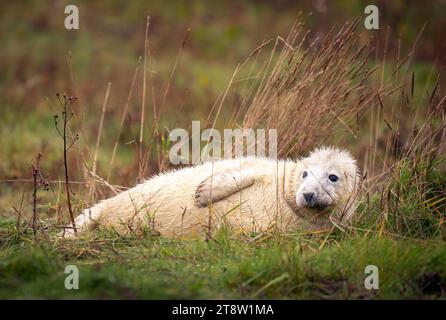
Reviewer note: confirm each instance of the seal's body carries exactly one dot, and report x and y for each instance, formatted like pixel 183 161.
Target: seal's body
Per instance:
pixel 249 194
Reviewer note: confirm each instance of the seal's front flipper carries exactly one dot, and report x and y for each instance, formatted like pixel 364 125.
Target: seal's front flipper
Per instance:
pixel 221 185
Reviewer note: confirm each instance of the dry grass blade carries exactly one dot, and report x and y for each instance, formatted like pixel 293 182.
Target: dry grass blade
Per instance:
pixel 121 124
pixel 307 94
pixel 98 139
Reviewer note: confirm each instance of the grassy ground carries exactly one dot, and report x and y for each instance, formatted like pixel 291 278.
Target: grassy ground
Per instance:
pixel 292 267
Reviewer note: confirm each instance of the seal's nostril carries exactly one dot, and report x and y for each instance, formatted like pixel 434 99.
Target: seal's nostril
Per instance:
pixel 309 197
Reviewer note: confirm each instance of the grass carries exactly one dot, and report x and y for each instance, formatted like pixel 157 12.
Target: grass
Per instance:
pixel 295 267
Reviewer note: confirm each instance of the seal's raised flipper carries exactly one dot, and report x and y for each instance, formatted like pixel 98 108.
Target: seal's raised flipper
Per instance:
pixel 222 185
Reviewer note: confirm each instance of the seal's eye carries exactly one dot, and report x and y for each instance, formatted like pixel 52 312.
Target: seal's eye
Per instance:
pixel 304 175
pixel 333 178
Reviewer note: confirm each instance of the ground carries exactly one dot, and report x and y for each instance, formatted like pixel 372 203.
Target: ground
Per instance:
pixel 150 267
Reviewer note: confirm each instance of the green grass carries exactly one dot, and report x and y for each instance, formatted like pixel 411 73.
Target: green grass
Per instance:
pixel 293 267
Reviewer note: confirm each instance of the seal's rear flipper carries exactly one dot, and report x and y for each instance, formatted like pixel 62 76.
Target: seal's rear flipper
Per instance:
pixel 84 222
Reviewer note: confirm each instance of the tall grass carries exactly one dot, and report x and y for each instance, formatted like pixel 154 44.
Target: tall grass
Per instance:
pixel 407 196
pixel 311 88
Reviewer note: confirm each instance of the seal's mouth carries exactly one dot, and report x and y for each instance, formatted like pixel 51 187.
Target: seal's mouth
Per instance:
pixel 319 206
pixel 320 210
pixel 316 216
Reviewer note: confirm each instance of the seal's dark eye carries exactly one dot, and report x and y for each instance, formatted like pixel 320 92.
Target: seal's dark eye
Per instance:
pixel 304 175
pixel 333 178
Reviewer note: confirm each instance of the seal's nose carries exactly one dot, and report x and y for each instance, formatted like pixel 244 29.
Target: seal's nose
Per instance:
pixel 309 198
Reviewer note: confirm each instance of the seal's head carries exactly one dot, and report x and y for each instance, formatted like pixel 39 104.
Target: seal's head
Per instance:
pixel 327 184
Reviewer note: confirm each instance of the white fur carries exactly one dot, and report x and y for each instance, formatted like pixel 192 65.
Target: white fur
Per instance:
pixel 250 194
